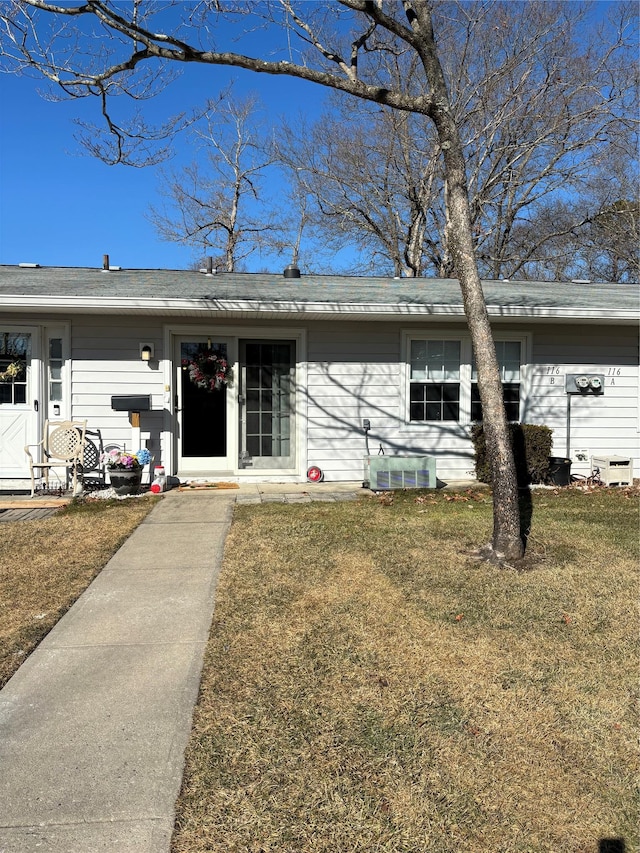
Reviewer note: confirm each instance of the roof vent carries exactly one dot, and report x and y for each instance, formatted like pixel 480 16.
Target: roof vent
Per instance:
pixel 291 271
pixel 209 269
pixel 107 267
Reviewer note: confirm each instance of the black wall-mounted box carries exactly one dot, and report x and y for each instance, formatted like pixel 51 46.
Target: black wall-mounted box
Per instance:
pixel 131 403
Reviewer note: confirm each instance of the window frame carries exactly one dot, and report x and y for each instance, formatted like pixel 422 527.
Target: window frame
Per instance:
pixel 464 381
pixel 466 361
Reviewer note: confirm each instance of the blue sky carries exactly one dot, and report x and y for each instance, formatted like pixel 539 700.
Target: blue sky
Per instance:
pixel 61 207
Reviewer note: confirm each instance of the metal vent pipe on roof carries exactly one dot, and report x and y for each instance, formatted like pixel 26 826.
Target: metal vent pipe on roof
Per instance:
pixel 292 271
pixel 105 262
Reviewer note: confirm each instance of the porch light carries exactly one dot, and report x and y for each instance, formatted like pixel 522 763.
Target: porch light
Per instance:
pixel 146 352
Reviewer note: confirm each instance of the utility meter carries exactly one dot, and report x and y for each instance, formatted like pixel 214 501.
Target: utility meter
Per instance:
pixel 584 383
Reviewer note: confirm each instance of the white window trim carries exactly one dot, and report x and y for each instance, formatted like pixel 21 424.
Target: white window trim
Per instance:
pixel 466 355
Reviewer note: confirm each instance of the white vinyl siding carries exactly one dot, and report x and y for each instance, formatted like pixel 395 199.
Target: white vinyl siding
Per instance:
pixel 106 362
pixel 352 370
pixel 357 371
pixel 606 424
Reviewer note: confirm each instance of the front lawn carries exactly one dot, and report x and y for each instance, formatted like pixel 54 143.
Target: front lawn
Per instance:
pixel 368 688
pixel 46 564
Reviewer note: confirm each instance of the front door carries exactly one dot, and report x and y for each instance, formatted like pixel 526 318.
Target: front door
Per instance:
pixel 203 401
pixel 267 396
pixel 19 397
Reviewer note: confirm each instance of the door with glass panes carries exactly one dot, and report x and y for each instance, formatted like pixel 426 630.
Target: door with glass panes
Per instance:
pixel 20 381
pixel 267 404
pixel 203 397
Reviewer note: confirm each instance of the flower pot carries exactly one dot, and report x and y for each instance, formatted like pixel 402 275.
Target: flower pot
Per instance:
pixel 126 482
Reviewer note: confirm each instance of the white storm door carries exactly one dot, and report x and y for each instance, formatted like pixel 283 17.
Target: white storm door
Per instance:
pixel 205 441
pixel 20 397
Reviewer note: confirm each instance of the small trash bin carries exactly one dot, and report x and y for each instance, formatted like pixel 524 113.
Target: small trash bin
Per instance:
pixel 559 471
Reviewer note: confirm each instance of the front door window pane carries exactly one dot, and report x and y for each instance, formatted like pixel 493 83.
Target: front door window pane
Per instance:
pixel 55 370
pixel 204 407
pixel 15 350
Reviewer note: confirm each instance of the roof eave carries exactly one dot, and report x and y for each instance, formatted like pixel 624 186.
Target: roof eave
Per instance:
pixel 20 303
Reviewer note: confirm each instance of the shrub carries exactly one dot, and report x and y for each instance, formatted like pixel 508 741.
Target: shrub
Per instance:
pixel 531 449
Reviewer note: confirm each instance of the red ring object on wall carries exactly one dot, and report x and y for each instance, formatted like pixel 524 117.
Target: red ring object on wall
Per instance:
pixel 314 474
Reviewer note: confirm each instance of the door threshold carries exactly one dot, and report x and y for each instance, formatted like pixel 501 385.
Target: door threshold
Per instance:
pixel 204 486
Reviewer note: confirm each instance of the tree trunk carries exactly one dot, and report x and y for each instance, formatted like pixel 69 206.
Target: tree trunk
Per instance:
pixel 508 542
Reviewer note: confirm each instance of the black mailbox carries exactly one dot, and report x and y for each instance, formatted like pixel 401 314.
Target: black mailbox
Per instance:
pixel 131 403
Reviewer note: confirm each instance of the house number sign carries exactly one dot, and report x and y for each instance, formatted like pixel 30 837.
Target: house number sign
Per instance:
pixel 555 374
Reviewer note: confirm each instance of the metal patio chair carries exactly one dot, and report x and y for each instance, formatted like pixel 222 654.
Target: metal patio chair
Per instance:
pixel 94 475
pixel 62 446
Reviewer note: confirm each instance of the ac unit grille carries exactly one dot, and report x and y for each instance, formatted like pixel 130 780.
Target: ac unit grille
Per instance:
pixel 385 473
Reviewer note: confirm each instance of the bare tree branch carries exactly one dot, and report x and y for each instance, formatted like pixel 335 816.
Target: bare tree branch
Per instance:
pixel 219 207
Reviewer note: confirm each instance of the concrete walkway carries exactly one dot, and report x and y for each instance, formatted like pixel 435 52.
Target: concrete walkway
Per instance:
pixel 94 724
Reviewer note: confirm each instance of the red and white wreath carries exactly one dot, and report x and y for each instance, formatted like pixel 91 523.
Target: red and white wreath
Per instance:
pixel 207 369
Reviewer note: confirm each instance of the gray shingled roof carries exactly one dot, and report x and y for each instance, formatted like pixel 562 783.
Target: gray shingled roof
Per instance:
pixel 151 291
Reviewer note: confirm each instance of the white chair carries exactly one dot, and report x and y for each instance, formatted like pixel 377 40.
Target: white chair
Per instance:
pixel 62 446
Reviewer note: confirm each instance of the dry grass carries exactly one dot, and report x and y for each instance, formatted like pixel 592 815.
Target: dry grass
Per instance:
pixel 368 689
pixel 46 564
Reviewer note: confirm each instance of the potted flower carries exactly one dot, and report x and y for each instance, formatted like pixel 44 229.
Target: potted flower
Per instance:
pixel 125 469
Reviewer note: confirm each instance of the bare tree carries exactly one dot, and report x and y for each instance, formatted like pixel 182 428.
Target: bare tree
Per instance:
pixel 544 98
pixel 594 236
pixel 342 46
pixel 610 250
pixel 218 205
pixel 603 246
pixel 370 176
pixel 559 92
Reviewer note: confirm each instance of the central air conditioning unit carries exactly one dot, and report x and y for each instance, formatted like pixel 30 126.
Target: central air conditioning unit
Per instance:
pixel 385 473
pixel 614 470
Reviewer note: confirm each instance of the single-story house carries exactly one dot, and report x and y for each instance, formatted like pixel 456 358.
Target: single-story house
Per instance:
pixel 311 358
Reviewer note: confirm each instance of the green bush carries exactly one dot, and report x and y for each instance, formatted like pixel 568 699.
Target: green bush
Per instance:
pixel 531 449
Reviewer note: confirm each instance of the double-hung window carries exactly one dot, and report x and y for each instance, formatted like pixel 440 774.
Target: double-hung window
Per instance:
pixel 509 359
pixel 434 388
pixel 442 381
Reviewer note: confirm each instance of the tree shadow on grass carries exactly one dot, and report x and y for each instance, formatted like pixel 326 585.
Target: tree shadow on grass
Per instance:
pixel 611 845
pixel 525 505
pixel 525 501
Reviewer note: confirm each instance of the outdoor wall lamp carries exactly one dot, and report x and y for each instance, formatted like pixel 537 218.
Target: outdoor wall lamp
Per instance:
pixel 146 352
